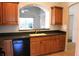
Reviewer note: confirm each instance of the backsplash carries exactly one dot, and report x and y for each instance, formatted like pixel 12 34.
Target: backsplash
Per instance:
pixel 8 28
pixel 16 29
pixel 55 27
pixel 59 27
pixel 64 28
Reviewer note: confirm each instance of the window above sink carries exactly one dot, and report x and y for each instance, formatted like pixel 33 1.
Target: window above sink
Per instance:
pixel 32 17
pixel 25 23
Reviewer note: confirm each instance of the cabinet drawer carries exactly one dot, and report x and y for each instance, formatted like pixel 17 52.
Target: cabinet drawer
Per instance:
pixel 34 39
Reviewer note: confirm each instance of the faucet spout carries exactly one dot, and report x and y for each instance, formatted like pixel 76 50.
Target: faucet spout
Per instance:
pixel 35 31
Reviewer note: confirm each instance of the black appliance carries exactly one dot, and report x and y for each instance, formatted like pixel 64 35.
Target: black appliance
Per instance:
pixel 21 47
pixel 2 53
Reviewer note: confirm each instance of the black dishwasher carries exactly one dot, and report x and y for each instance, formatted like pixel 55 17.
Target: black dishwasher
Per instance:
pixel 21 47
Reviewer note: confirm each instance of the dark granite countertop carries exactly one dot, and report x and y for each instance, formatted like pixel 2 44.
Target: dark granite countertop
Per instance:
pixel 26 33
pixel 30 32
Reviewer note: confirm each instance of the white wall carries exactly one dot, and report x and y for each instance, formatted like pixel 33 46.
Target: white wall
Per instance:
pixel 72 21
pixel 77 31
pixel 76 12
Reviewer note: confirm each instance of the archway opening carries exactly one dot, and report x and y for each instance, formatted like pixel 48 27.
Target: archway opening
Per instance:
pixel 34 16
pixel 73 10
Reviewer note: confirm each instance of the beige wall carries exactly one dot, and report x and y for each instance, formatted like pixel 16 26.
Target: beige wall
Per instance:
pixel 47 6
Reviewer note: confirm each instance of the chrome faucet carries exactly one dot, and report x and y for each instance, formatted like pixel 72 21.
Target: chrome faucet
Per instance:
pixel 36 30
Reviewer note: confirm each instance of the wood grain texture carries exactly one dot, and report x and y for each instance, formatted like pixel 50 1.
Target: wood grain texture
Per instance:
pixel 7 46
pixel 10 13
pixel 56 15
pixel 0 13
pixel 47 44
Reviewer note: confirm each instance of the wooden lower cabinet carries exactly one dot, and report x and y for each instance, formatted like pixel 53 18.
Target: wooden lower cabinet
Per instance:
pixel 44 45
pixel 39 45
pixel 7 47
pixel 53 44
pixel 47 44
pixel 62 42
pixel 34 46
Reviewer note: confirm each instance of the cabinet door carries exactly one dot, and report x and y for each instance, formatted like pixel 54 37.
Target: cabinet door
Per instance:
pixel 52 43
pixel 62 42
pixel 57 43
pixel 34 46
pixel 7 47
pixel 45 45
pixel 0 13
pixel 56 15
pixel 10 13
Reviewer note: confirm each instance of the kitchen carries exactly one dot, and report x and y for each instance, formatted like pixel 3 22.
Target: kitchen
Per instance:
pixel 45 34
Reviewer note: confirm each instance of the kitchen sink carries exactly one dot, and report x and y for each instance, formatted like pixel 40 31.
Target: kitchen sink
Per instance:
pixel 38 34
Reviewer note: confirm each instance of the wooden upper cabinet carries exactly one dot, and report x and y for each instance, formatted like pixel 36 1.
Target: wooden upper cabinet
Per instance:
pixel 10 13
pixel 56 15
pixel 0 13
